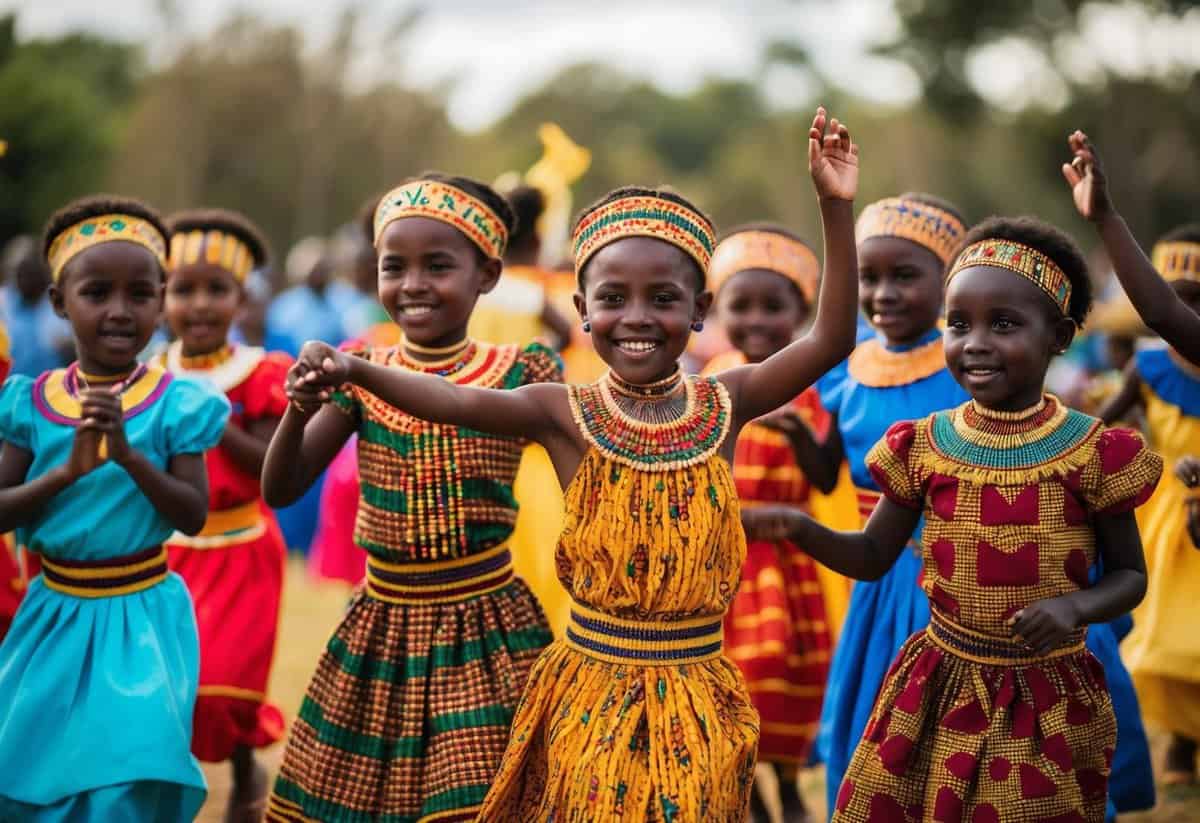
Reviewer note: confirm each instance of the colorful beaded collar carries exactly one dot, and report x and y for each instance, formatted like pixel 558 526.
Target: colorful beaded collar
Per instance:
pixel 693 438
pixel 1032 442
pixel 56 393
pixel 875 365
pixel 226 368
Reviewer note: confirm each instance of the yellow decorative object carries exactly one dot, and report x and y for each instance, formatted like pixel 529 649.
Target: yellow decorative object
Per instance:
pixel 765 250
pixel 640 216
pixel 215 247
pixel 873 364
pixel 1024 260
pixel 562 163
pixel 441 201
pixel 106 228
pixel 1178 260
pixel 935 229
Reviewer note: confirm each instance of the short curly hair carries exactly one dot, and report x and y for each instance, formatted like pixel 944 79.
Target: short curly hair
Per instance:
pixel 1050 241
pixel 223 220
pixel 527 204
pixel 97 205
pixel 661 192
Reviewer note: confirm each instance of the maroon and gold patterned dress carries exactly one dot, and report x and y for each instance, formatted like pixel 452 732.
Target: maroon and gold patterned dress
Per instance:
pixel 970 724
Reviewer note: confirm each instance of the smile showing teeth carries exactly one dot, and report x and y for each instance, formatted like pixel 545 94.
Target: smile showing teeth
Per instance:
pixel 638 346
pixel 415 311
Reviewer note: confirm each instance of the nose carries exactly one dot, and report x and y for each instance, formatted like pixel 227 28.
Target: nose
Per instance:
pixel 413 283
pixel 636 313
pixel 120 309
pixel 977 342
pixel 885 291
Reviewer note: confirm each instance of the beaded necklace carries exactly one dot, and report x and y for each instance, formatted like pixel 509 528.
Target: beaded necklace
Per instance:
pixel 77 380
pixel 456 359
pixel 211 360
pixel 659 403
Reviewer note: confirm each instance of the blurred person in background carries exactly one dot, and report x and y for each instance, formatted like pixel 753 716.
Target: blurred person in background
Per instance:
pixel 43 338
pixel 312 308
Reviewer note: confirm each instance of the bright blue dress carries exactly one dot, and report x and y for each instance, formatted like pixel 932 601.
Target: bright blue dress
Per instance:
pixel 96 694
pixel 883 613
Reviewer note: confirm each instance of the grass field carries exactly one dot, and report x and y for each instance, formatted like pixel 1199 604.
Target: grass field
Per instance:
pixel 310 613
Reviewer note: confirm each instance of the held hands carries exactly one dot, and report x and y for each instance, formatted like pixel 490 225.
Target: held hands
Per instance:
pixel 101 432
pixel 832 158
pixel 1085 175
pixel 1046 623
pixel 318 370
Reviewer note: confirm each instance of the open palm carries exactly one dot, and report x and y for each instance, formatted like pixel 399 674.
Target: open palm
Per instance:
pixel 1085 175
pixel 832 158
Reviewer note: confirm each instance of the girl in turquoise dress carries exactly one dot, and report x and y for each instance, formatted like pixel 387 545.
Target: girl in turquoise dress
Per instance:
pixel 101 462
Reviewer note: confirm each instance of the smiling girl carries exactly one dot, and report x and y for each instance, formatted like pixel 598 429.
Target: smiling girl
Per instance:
pixel 636 712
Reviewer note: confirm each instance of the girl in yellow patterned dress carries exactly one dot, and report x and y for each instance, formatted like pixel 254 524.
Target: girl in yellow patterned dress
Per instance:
pixel 635 714
pixel 997 711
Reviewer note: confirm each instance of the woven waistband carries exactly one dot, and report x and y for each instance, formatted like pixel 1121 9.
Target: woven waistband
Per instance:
pixel 649 643
pixel 447 581
pixel 106 578
pixel 226 527
pixel 990 650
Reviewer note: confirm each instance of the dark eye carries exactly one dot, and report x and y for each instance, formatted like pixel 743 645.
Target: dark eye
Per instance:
pixel 867 277
pixel 1003 324
pixel 956 324
pixel 664 297
pixel 906 275
pixel 611 299
pixel 774 307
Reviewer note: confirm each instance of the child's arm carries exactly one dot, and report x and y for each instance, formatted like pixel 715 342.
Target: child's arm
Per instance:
pixel 862 555
pixel 247 447
pixel 180 493
pixel 1046 623
pixel 1155 300
pixel 819 461
pixel 20 502
pixel 1123 401
pixel 757 389
pixel 302 446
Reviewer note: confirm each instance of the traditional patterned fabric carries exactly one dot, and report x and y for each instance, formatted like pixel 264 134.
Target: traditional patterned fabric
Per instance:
pixel 765 250
pixel 106 228
pixel 883 613
pixel 234 568
pixel 1024 260
pixel 215 247
pixel 640 216
pixel 449 204
pixel 935 229
pixel 652 557
pixel 409 710
pixel 1163 650
pixel 118 669
pixel 1179 260
pixel 970 724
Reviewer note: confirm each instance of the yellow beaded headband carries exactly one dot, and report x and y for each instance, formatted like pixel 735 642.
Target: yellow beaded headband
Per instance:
pixel 1025 261
pixel 103 229
pixel 935 229
pixel 1177 260
pixel 644 216
pixel 216 247
pixel 440 201
pixel 769 250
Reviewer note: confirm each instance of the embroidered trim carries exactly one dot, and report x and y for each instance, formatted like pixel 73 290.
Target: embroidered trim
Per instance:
pixel 215 247
pixel 106 578
pixel 107 228
pixel 765 250
pixel 928 226
pixel 658 643
pixel 1024 260
pixel 873 364
pixel 450 205
pixel 55 394
pixel 644 217
pixel 225 374
pixel 446 581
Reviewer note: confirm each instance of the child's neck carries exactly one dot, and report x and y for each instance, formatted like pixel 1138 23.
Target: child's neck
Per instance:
pixel 1023 401
pixel 907 343
pixel 92 369
pixel 199 350
pixel 437 352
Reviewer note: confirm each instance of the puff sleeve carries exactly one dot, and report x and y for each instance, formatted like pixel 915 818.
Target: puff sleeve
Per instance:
pixel 265 395
pixel 890 462
pixel 16 411
pixel 1122 474
pixel 540 364
pixel 195 417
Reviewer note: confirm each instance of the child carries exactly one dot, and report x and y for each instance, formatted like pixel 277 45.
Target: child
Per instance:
pixel 234 566
pixel 102 461
pixel 776 630
pixel 409 710
pixel 636 710
pixel 997 711
pixel 904 246
pixel 1163 655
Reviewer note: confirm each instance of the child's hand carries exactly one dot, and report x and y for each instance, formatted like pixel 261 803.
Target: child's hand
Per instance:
pixel 1187 469
pixel 305 399
pixel 770 523
pixel 832 159
pixel 1046 623
pixel 101 410
pixel 317 372
pixel 85 452
pixel 1085 175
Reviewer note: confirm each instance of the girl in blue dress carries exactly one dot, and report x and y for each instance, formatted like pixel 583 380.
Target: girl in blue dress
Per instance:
pixel 899 373
pixel 101 462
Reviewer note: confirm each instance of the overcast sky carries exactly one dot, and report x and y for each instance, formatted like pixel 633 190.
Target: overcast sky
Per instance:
pixel 497 50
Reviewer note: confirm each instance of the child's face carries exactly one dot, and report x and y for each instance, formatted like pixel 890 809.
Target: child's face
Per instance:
pixel 201 304
pixel 640 296
pixel 1001 333
pixel 112 295
pixel 761 312
pixel 899 288
pixel 430 276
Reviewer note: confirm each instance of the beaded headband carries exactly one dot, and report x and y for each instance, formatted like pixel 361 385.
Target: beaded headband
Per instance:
pixel 104 229
pixel 216 247
pixel 765 250
pixel 642 216
pixel 928 226
pixel 1025 261
pixel 451 205
pixel 1177 260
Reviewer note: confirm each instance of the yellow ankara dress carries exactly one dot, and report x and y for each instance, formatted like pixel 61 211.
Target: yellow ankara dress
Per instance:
pixel 635 715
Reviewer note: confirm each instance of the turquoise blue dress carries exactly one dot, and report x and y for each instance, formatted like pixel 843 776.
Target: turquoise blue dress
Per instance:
pixel 883 613
pixel 96 694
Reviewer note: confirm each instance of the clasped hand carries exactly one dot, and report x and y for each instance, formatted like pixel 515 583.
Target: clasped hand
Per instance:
pixel 317 372
pixel 100 435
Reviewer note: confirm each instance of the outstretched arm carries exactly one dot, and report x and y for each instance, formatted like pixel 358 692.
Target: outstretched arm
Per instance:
pixel 1155 300
pixel 303 446
pixel 757 389
pixel 1124 400
pixel 863 555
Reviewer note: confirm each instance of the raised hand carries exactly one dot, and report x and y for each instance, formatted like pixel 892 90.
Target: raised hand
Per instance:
pixel 1085 175
pixel 832 158
pixel 102 412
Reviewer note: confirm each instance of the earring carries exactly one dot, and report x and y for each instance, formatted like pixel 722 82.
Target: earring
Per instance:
pixel 698 326
pixel 587 327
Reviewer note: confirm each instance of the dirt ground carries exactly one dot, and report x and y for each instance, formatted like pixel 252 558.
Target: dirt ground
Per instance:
pixel 311 611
